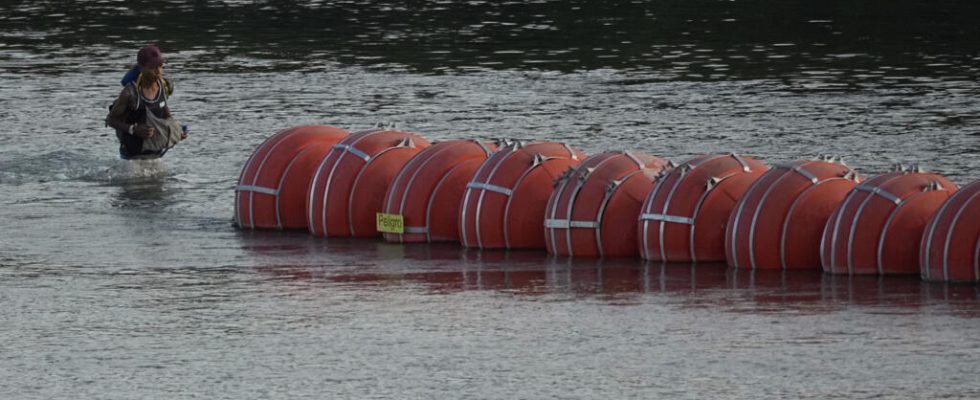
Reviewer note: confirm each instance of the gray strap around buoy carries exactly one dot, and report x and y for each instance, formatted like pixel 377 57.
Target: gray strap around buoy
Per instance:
pixel 257 189
pixel 634 158
pixel 879 192
pixel 353 150
pixel 566 224
pixel 796 168
pixel 740 160
pixel 490 188
pixel 571 153
pixel 667 218
pixel 416 229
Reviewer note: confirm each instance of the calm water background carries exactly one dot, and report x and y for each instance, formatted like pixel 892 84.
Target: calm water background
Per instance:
pixel 127 280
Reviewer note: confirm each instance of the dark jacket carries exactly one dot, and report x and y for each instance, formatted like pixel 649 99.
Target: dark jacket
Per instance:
pixel 130 108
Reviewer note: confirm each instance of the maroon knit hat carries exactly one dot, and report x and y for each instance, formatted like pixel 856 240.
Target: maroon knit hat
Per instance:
pixel 149 57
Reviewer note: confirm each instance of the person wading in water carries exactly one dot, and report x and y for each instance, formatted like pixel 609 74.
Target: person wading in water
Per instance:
pixel 141 115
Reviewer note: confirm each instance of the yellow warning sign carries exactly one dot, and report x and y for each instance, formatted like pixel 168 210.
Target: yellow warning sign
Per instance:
pixel 391 223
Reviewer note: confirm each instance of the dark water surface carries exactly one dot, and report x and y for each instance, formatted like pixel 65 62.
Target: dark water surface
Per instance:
pixel 127 280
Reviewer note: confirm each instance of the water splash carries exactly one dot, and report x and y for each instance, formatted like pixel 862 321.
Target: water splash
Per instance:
pixel 68 165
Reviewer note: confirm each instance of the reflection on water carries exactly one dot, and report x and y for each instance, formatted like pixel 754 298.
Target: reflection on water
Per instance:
pixel 145 193
pixel 448 268
pixel 141 184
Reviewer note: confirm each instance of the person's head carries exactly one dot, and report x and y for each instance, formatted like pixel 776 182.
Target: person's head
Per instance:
pixel 150 61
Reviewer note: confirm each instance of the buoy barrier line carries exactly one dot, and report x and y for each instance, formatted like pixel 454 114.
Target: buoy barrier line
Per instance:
pixel 738 216
pixel 255 178
pixel 284 162
pixel 439 185
pixel 970 193
pixel 575 197
pixel 411 166
pixel 695 201
pixel 884 232
pixel 314 183
pixel 857 217
pixel 949 234
pixel 528 172
pixel 326 187
pixel 670 196
pixel 580 179
pixel 504 154
pixel 595 225
pixel 919 195
pixel 792 209
pixel 644 248
pixel 683 170
pixel 466 200
pixel 789 215
pixel 357 179
pixel 560 183
pixel 610 192
pixel 772 178
pixel 710 185
pixel 432 199
pixel 924 259
pixel 282 180
pixel 797 168
pixel 277 137
pixel 976 262
pixel 836 217
pixel 538 160
pixel 373 180
pixel 247 166
pixel 575 193
pixel 343 151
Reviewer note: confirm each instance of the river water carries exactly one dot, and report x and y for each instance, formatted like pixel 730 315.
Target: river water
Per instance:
pixel 127 279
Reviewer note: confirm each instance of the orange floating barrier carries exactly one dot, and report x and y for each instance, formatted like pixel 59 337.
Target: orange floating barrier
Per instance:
pixel 592 203
pixel 950 248
pixel 878 226
pixel 503 206
pixel 428 190
pixel 778 222
pixel 272 186
pixel 349 186
pixel 683 218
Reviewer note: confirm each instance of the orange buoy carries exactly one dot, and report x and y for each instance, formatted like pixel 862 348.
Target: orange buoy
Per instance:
pixel 683 218
pixel 348 189
pixel 778 222
pixel 592 203
pixel 427 191
pixel 271 190
pixel 950 248
pixel 503 206
pixel 878 226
